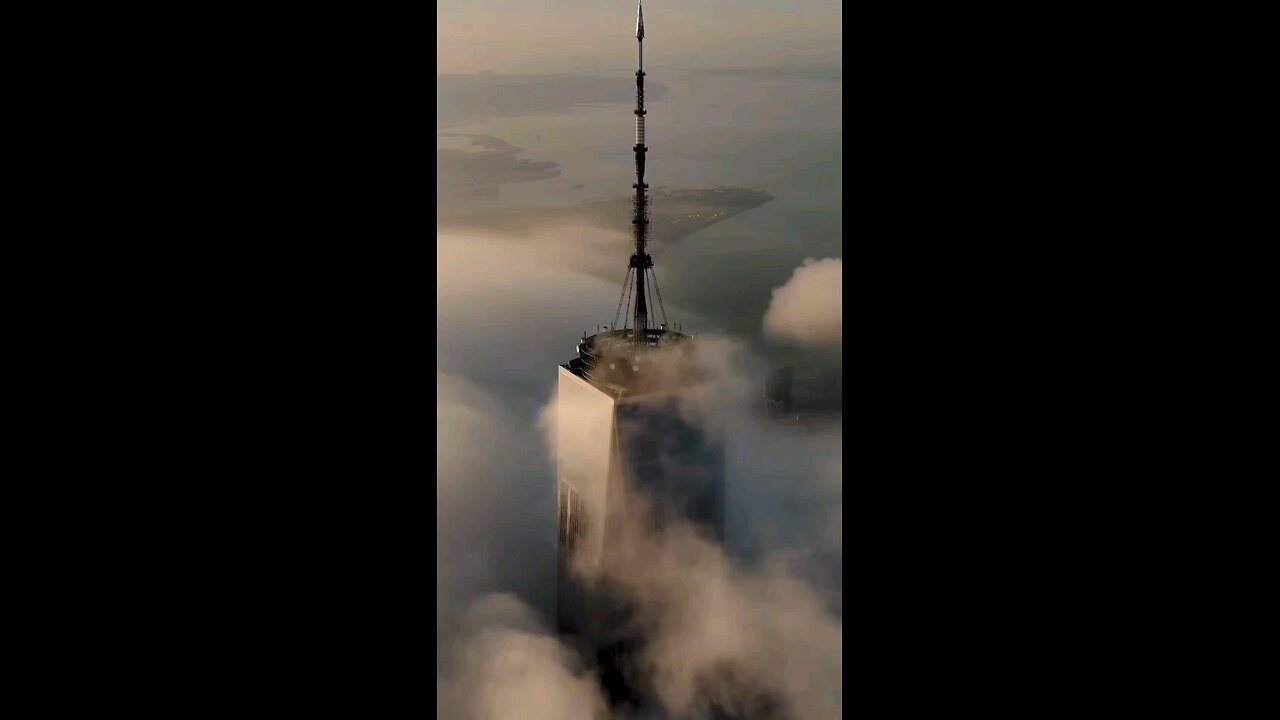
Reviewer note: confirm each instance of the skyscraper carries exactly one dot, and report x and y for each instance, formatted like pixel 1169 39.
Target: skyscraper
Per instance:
pixel 624 430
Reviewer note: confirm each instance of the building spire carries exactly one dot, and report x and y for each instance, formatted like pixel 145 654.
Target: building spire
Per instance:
pixel 640 260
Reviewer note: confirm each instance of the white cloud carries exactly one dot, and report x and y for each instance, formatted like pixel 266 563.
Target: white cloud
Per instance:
pixel 808 307
pixel 507 666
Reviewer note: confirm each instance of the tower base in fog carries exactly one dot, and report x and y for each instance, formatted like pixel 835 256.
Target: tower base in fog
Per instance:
pixel 623 444
pixel 609 448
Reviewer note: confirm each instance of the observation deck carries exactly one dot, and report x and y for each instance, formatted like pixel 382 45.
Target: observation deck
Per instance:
pixel 612 362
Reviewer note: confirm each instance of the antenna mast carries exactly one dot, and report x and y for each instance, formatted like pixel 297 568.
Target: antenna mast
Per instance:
pixel 640 260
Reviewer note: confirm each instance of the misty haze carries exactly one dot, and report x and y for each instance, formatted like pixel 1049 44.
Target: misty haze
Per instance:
pixel 534 176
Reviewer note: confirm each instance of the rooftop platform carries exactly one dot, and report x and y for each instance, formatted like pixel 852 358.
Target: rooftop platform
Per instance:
pixel 613 362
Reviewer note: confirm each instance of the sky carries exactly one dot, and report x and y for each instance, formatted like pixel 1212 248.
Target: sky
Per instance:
pixel 560 36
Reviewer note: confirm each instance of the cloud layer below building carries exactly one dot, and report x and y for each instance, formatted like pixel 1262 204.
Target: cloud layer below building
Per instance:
pixel 761 613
